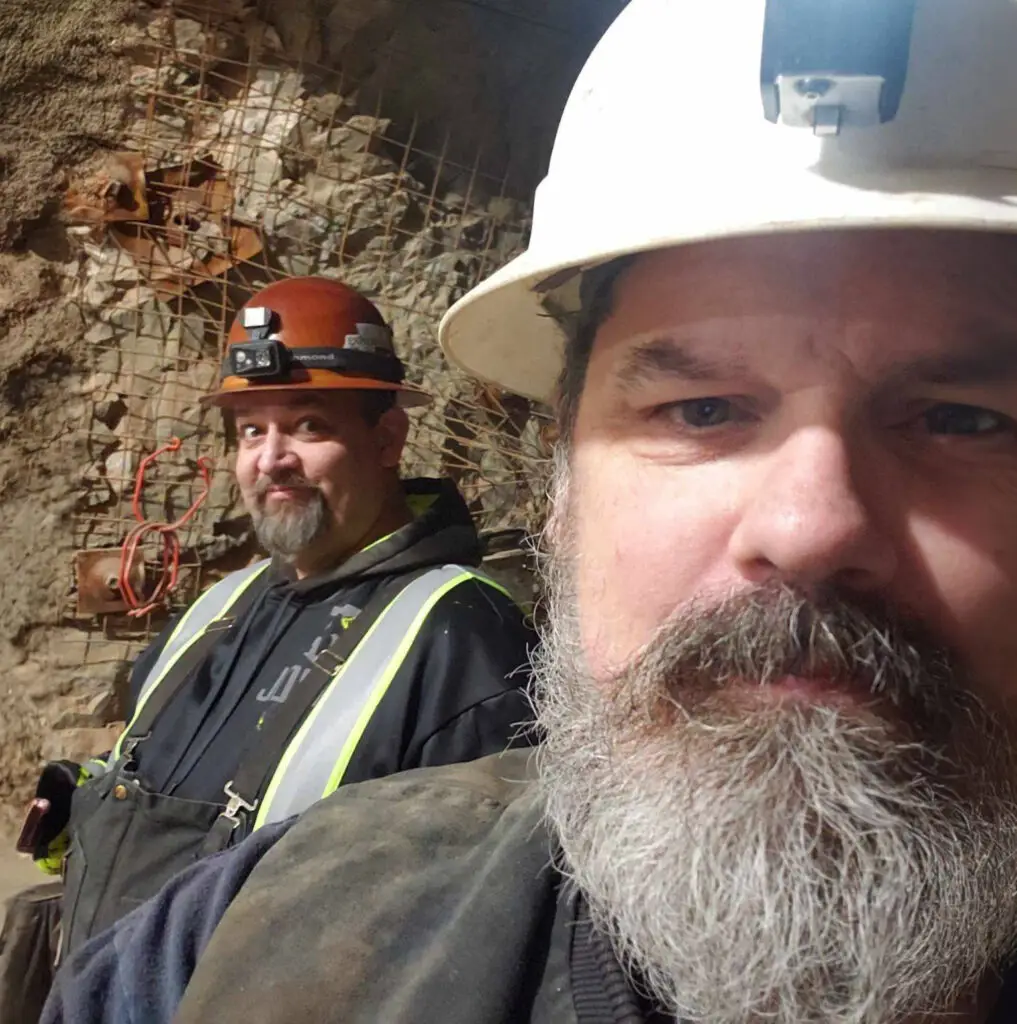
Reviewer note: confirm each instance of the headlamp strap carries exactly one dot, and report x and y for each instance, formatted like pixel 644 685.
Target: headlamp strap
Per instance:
pixel 339 360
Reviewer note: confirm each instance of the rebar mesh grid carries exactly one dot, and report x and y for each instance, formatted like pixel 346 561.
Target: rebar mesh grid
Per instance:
pixel 258 167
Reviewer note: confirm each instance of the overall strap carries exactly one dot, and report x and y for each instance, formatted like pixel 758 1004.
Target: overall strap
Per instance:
pixel 201 628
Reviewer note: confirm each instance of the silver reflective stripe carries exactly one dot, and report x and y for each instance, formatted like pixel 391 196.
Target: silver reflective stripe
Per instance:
pixel 317 756
pixel 214 603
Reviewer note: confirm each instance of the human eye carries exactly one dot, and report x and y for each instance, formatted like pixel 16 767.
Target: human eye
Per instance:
pixel 704 413
pixel 312 427
pixel 951 419
pixel 247 431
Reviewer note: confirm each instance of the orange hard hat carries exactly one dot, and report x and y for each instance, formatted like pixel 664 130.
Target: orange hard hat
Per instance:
pixel 311 334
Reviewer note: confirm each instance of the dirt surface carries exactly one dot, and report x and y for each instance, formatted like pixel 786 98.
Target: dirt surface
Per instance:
pixel 61 84
pixel 61 99
pixel 38 456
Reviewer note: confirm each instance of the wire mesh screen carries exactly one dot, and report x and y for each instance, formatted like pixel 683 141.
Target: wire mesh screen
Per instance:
pixel 243 166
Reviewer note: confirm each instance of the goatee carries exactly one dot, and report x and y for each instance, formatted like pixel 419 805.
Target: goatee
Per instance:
pixel 288 531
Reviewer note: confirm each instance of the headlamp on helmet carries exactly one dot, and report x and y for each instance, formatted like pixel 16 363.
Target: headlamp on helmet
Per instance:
pixel 265 358
pixel 831 64
pixel 262 356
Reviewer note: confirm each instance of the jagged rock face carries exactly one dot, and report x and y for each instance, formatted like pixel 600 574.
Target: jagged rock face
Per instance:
pixel 498 72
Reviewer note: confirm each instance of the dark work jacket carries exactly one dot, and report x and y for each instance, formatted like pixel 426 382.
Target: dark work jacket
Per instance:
pixel 426 898
pixel 456 696
pixel 455 693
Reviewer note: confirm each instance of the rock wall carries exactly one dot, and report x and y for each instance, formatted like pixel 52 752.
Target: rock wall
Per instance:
pixel 158 162
pixel 61 95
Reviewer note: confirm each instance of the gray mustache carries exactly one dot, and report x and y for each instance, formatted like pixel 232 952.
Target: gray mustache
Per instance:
pixel 264 483
pixel 776 630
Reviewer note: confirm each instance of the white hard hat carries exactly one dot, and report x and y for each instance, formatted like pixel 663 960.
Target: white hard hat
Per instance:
pixel 666 140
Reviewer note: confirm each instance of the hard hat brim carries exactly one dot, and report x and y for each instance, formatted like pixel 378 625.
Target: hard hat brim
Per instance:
pixel 501 333
pixel 407 396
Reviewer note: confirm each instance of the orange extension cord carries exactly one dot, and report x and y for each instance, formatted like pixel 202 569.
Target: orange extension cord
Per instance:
pixel 168 531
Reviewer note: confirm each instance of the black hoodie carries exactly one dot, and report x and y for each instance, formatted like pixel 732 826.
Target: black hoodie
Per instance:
pixel 456 696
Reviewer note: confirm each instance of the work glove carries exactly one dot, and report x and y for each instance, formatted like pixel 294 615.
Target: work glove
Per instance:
pixel 57 783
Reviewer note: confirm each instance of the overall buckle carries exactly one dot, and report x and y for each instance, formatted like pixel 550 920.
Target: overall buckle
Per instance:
pixel 236 805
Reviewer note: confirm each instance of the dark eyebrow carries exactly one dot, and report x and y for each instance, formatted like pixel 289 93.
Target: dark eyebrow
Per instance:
pixel 988 357
pixel 666 357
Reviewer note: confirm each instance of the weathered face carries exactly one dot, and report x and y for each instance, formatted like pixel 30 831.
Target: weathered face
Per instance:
pixel 314 474
pixel 778 684
pixel 818 411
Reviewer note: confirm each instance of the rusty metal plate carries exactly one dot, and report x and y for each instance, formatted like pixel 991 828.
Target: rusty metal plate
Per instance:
pixel 176 221
pixel 115 192
pixel 97 572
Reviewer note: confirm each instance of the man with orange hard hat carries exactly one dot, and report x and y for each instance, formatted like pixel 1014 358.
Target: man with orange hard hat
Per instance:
pixel 366 643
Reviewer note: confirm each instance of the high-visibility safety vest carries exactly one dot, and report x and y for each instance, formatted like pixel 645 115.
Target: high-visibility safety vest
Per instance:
pixel 316 758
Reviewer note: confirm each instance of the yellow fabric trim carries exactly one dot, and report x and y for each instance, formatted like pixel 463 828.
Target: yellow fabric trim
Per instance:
pixel 375 543
pixel 418 505
pixel 493 583
pixel 353 740
pixel 115 756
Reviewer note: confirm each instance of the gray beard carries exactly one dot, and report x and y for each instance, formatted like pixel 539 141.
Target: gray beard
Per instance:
pixel 791 864
pixel 288 533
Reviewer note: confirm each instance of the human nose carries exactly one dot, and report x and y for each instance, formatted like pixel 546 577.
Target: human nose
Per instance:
pixel 806 522
pixel 275 455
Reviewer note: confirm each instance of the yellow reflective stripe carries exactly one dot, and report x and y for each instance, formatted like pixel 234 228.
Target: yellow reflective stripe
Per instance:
pixel 298 747
pixel 149 690
pixel 353 740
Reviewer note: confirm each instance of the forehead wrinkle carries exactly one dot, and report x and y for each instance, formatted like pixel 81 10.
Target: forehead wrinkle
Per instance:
pixel 982 353
pixel 665 356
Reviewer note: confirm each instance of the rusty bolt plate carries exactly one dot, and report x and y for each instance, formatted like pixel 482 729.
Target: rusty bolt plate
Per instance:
pixel 97 571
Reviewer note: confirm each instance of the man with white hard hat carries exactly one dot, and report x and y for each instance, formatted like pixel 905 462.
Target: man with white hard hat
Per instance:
pixel 771 288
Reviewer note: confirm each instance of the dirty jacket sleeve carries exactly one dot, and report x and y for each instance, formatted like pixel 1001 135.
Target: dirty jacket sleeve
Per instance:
pixel 136 971
pixel 436 906
pixel 430 836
